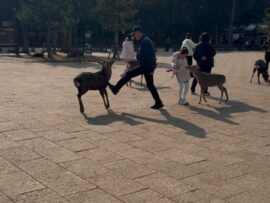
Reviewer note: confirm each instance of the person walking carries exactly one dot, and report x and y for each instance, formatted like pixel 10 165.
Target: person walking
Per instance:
pixel 190 45
pixel 266 47
pixel 204 56
pixel 179 64
pixel 146 57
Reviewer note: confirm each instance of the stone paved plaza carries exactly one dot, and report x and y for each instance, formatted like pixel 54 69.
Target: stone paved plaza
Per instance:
pixel 51 153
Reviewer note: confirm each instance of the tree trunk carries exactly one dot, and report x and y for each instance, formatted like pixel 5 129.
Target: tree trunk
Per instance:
pixel 49 50
pixel 55 38
pixel 217 35
pixel 115 46
pixel 25 39
pixel 16 37
pixel 69 39
pixel 75 36
pixel 232 18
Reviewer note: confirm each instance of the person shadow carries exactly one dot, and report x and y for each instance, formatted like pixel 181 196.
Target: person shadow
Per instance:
pixel 134 120
pixel 189 128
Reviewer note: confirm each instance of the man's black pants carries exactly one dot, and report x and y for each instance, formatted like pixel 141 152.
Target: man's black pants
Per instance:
pixel 149 78
pixel 194 83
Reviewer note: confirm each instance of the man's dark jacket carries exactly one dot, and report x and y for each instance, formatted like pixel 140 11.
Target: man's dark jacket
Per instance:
pixel 146 54
pixel 207 51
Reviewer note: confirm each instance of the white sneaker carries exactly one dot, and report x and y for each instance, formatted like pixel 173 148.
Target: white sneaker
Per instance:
pixel 183 102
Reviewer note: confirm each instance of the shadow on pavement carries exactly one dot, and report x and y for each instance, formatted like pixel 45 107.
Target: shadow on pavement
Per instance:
pixel 109 118
pixel 188 127
pixel 224 113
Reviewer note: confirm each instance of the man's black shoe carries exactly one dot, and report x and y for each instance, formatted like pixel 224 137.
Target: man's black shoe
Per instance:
pixel 157 105
pixel 112 88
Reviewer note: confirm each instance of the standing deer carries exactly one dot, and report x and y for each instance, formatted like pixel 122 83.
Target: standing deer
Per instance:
pixel 209 80
pixel 95 81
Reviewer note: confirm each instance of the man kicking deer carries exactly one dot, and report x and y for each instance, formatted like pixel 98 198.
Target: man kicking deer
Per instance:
pixel 147 65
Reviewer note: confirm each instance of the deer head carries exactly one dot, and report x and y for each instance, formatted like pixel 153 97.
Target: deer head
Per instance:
pixel 194 69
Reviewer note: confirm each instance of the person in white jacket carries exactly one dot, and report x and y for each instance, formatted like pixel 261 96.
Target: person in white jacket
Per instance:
pixel 128 53
pixel 190 45
pixel 179 64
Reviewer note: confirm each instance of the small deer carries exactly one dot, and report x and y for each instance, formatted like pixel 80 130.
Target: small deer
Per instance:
pixel 77 54
pixel 209 80
pixel 260 68
pixel 95 81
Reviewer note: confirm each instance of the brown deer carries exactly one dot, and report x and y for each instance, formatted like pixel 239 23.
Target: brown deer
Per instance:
pixel 209 80
pixel 95 81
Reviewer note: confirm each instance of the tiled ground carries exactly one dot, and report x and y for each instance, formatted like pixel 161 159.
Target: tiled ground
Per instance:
pixel 50 153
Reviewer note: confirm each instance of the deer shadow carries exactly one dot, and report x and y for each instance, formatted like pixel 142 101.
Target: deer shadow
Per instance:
pixel 110 117
pixel 224 113
pixel 189 128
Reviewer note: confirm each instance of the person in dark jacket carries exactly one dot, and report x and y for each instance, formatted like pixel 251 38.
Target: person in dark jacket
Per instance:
pixel 146 57
pixel 204 56
pixel 266 46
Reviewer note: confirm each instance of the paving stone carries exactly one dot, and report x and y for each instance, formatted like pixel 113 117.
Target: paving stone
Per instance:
pixel 197 196
pixel 18 183
pixel 173 169
pixel 165 185
pixel 204 166
pixel 123 136
pixel 6 142
pixel 213 185
pixel 85 168
pixel 129 169
pixel 248 197
pixel 150 146
pixel 89 135
pixel 8 126
pixel 92 196
pixel 113 145
pixel 76 144
pixel 56 135
pixel 39 196
pixel 217 148
pixel 232 171
pixel 71 127
pixel 20 134
pixel 140 156
pixel 38 144
pixel 42 169
pixel 116 184
pixel 4 198
pixel 179 156
pixel 218 157
pixel 18 154
pixel 145 196
pixel 68 183
pixel 59 154
pixel 101 155
pixel 6 167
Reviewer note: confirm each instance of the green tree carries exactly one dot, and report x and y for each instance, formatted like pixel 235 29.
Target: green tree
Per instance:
pixel 115 16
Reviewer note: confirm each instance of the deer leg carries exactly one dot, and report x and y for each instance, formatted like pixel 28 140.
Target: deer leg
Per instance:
pixel 101 91
pixel 79 95
pixel 141 80
pixel 202 91
pixel 107 98
pixel 226 93
pixel 221 88
pixel 259 82
pixel 254 70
